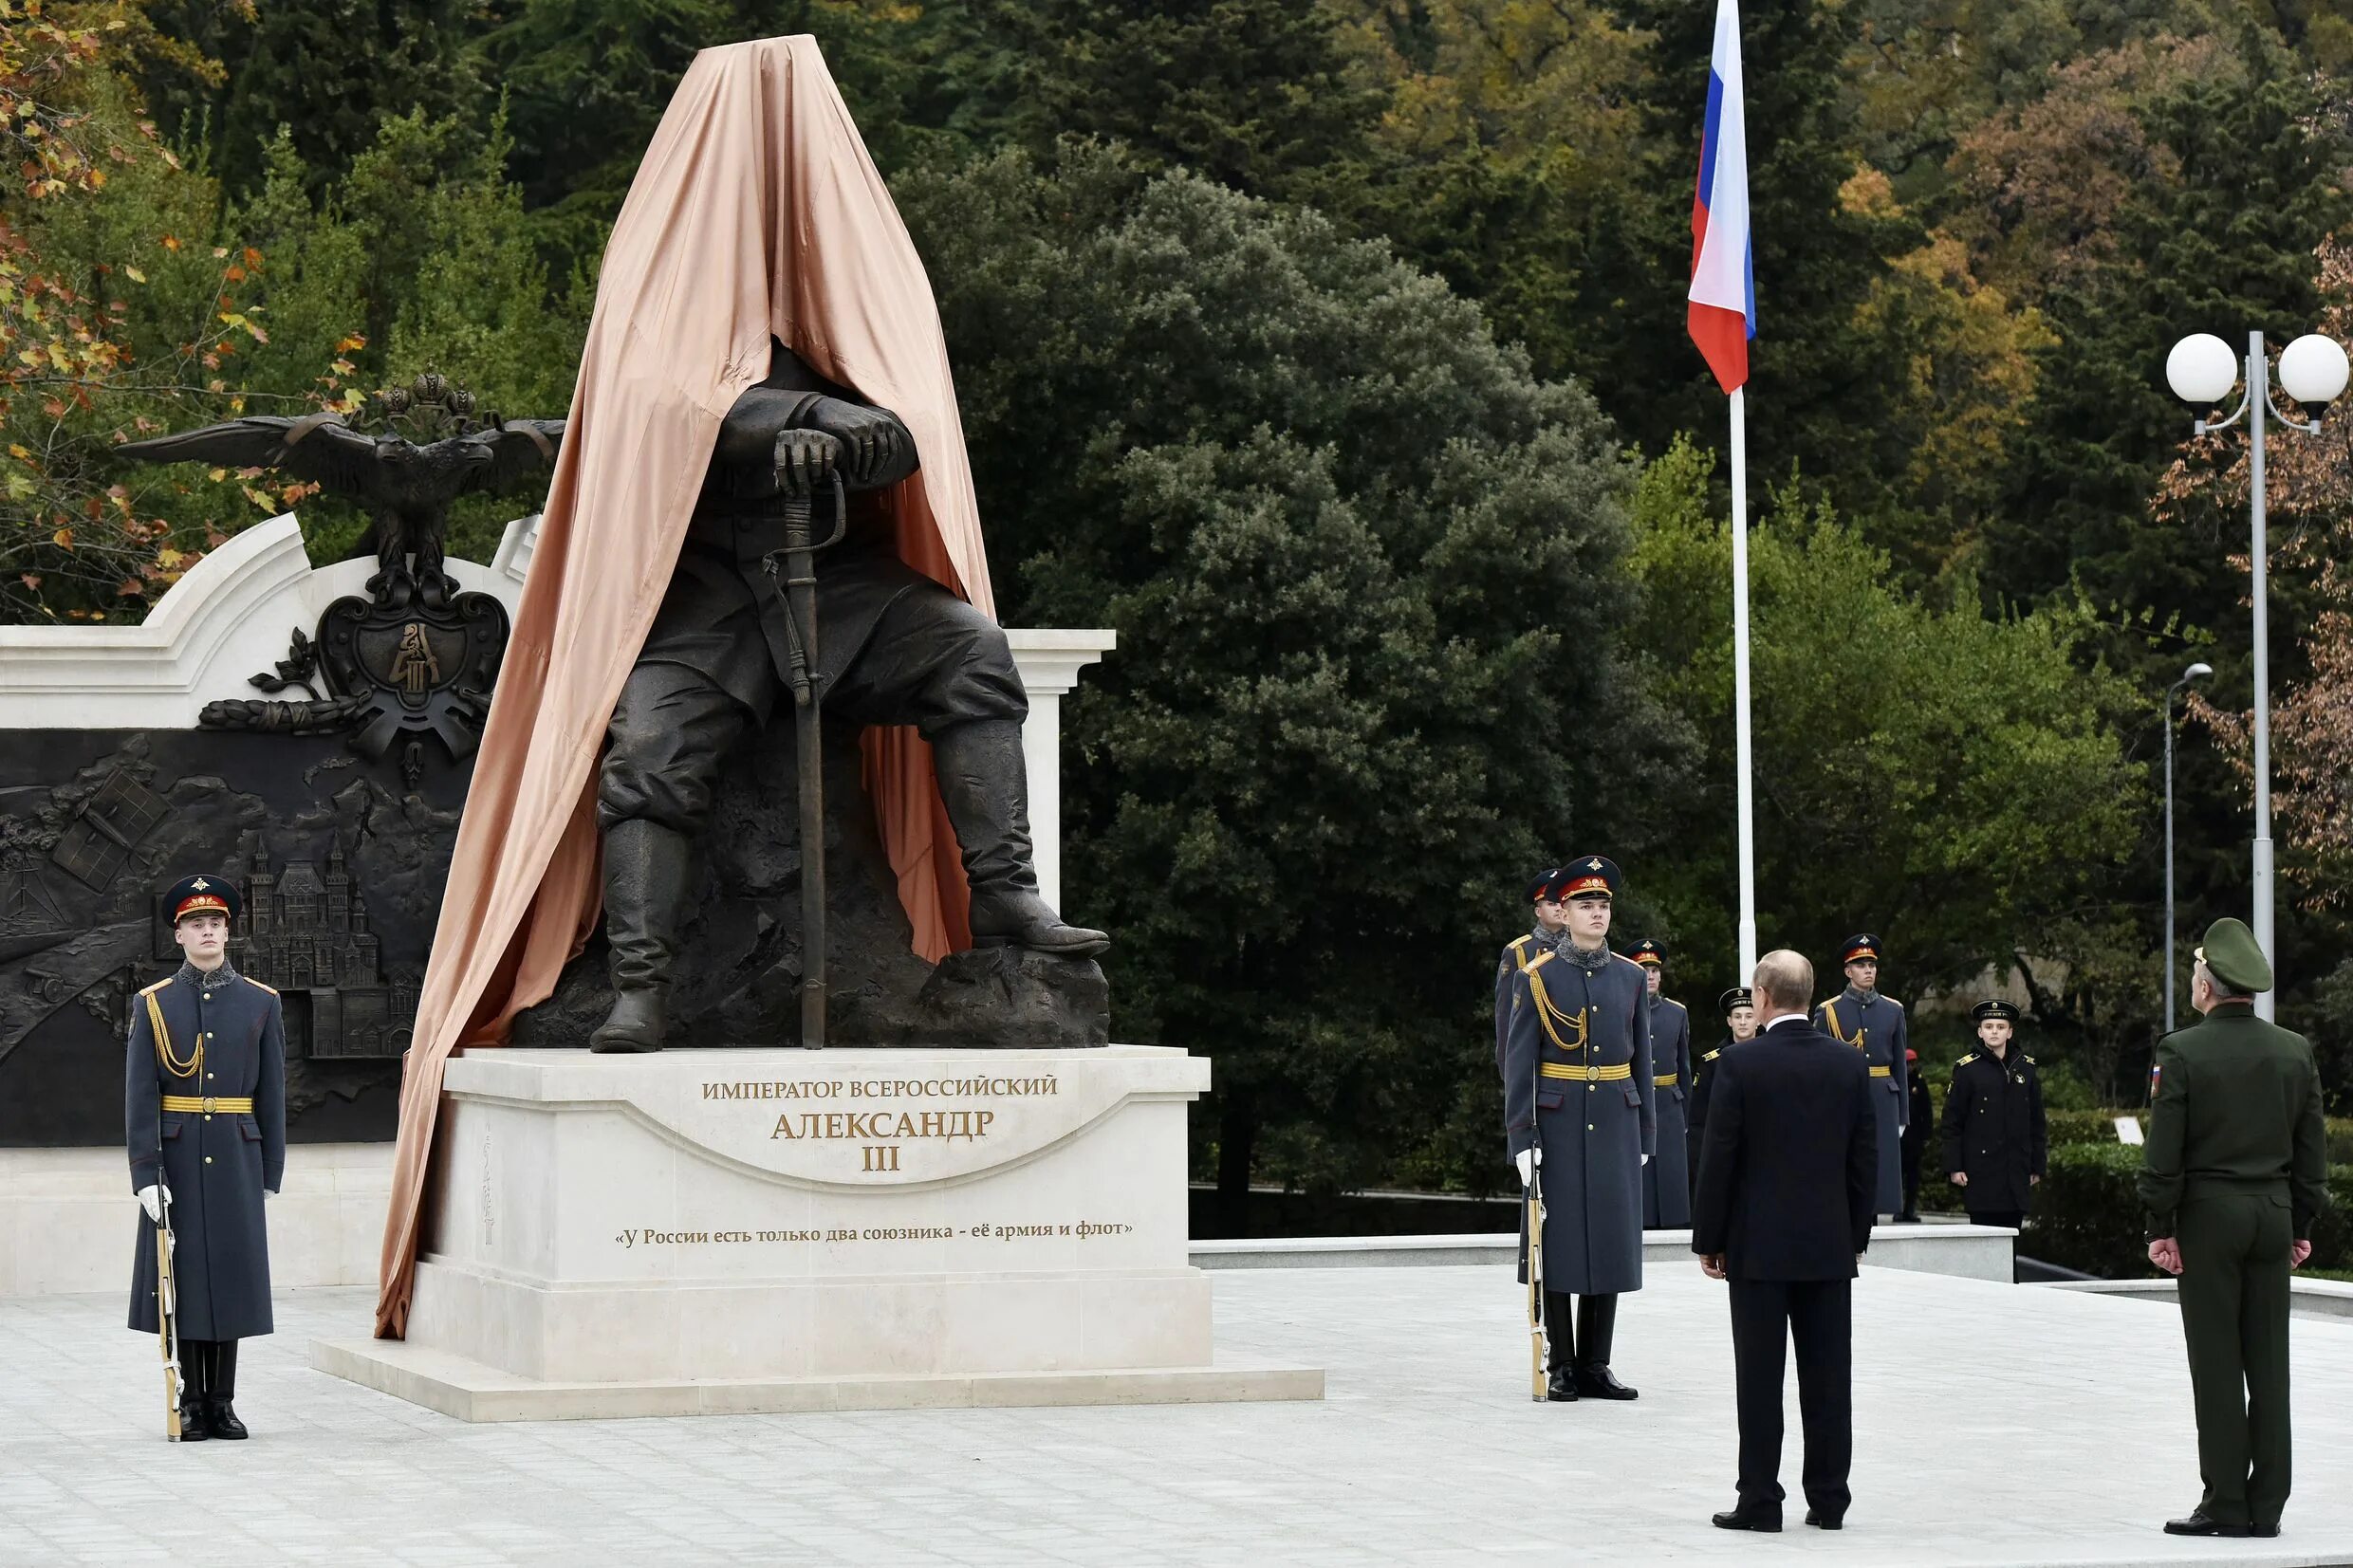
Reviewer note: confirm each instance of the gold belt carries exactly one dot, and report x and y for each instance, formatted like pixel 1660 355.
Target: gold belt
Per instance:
pixel 210 1104
pixel 1882 1072
pixel 1667 1081
pixel 1588 1074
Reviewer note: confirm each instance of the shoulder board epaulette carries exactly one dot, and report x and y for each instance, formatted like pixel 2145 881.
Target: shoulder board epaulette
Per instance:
pixel 257 985
pixel 149 990
pixel 1712 1055
pixel 1892 1002
pixel 1967 1060
pixel 1672 1002
pixel 1519 944
pixel 1539 962
pixel 1623 959
pixel 2029 1060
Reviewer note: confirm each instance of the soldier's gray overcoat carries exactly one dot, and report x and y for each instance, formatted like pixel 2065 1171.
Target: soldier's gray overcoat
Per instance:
pixel 1666 1180
pixel 1878 1026
pixel 217 1165
pixel 1593 1131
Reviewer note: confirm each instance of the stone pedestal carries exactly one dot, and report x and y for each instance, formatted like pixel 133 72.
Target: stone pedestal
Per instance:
pixel 783 1229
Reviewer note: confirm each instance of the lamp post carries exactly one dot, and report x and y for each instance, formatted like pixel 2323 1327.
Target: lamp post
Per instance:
pixel 2313 370
pixel 2196 672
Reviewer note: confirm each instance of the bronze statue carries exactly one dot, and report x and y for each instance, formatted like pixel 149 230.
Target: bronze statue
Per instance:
pixel 893 648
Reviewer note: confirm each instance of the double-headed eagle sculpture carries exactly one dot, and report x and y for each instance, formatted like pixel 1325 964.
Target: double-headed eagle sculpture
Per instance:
pixel 406 487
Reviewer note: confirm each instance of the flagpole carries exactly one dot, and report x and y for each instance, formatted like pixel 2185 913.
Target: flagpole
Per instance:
pixel 1740 683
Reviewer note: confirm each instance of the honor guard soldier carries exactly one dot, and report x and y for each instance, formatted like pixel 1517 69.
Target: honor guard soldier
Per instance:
pixel 1915 1130
pixel 204 1111
pixel 1666 1184
pixel 1874 1024
pixel 1738 1006
pixel 1579 1119
pixel 1994 1144
pixel 1550 931
pixel 2234 1174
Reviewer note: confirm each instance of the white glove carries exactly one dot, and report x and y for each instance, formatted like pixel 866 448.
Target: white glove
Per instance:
pixel 1645 1159
pixel 270 1192
pixel 1526 1160
pixel 150 1199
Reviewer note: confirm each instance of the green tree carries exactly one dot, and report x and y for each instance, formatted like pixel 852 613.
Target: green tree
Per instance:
pixel 1367 575
pixel 1952 780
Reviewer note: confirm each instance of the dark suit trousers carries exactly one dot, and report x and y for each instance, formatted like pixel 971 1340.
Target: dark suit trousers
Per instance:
pixel 1817 1314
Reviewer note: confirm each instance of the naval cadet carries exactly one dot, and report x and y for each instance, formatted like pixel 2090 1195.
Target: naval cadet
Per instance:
pixel 1550 931
pixel 1579 1119
pixel 1874 1024
pixel 1738 1006
pixel 1994 1140
pixel 2234 1171
pixel 1666 1184
pixel 204 1112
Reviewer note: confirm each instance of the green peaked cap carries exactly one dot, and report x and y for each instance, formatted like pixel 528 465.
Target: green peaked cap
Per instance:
pixel 2229 953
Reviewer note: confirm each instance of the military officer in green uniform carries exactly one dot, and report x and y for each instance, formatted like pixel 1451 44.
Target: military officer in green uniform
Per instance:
pixel 2233 1172
pixel 1579 1119
pixel 204 1114
pixel 1666 1184
pixel 1996 1143
pixel 1738 1006
pixel 1874 1023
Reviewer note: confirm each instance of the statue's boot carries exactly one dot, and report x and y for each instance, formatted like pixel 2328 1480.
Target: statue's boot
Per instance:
pixel 645 886
pixel 985 787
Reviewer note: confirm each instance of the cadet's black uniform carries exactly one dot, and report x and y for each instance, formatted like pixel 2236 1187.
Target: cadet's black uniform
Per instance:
pixel 1915 1131
pixel 204 1114
pixel 1703 1074
pixel 1993 1134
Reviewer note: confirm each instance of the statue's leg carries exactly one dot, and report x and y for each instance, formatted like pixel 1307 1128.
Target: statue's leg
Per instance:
pixel 670 731
pixel 938 664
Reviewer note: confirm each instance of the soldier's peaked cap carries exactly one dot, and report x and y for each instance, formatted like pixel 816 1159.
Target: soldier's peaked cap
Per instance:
pixel 1587 876
pixel 2231 954
pixel 1540 885
pixel 1738 997
pixel 1858 947
pixel 1648 950
pixel 202 895
pixel 1996 1008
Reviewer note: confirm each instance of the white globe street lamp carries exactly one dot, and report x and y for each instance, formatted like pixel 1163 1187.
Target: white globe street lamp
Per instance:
pixel 2202 370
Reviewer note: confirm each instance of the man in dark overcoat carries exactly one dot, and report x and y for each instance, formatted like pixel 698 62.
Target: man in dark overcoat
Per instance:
pixel 1579 1117
pixel 1994 1139
pixel 204 1116
pixel 1783 1211
pixel 1874 1023
pixel 1666 1184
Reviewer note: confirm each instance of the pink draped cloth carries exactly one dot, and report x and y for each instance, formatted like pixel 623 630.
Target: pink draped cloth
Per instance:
pixel 756 213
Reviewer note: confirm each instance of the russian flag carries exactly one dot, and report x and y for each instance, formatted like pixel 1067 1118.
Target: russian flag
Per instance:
pixel 1722 313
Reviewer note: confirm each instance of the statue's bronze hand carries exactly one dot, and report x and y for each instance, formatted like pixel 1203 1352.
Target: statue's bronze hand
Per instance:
pixel 805 459
pixel 870 438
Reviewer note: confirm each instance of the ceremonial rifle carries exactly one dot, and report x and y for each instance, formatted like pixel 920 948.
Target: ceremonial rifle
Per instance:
pixel 167 1299
pixel 794 570
pixel 1536 1326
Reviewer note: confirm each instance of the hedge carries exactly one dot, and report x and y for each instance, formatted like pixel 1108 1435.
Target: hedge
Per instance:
pixel 2087 1214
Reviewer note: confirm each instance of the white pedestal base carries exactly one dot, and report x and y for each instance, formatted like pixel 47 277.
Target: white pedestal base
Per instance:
pixel 785 1230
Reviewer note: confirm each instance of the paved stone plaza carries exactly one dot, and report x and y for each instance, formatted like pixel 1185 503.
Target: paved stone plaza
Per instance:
pixel 1995 1424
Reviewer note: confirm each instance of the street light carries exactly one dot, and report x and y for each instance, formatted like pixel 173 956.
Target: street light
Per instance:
pixel 2196 672
pixel 2312 371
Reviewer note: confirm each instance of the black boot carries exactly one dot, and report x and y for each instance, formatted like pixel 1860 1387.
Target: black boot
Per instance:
pixel 646 866
pixel 193 1357
pixel 220 1386
pixel 1561 1335
pixel 985 785
pixel 1597 1324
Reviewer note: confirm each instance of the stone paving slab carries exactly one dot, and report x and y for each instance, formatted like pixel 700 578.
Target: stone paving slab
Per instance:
pixel 1995 1424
